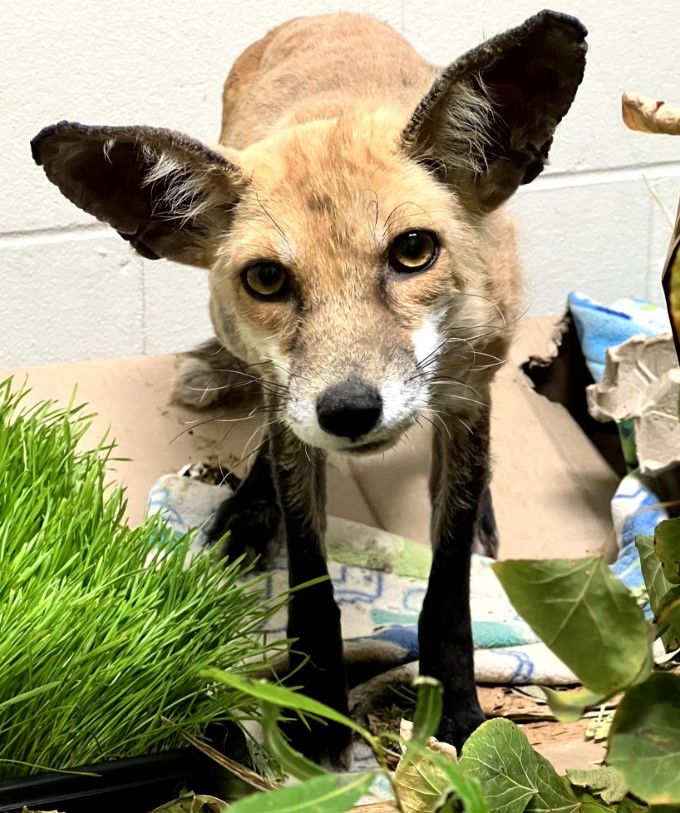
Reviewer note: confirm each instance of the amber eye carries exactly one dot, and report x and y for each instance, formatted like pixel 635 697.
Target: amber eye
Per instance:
pixel 413 251
pixel 265 280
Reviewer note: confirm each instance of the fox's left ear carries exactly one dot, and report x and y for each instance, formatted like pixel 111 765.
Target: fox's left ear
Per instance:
pixel 487 124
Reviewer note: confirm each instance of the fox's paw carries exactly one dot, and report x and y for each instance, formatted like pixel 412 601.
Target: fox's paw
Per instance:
pixel 254 528
pixel 456 730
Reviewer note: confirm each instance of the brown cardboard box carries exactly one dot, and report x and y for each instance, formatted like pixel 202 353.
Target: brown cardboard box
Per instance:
pixel 551 487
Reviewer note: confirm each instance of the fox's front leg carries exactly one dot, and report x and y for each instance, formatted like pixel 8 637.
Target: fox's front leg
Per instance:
pixel 458 481
pixel 316 657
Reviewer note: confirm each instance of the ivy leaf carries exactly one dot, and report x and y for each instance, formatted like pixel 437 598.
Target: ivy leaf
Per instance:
pixel 645 739
pixel 430 782
pixel 554 794
pixel 464 792
pixel 191 803
pixel 420 785
pixel 332 793
pixel 656 583
pixel 606 782
pixel 568 707
pixel 667 548
pixel 589 803
pixel 585 615
pixel 499 757
pixel 668 614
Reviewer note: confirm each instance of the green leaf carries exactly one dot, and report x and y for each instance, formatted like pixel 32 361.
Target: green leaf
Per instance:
pixel 284 698
pixel 290 760
pixel 656 583
pixel 668 615
pixel 606 782
pixel 332 793
pixel 645 739
pixel 499 757
pixel 569 706
pixel 667 548
pixel 191 803
pixel 589 803
pixel 428 711
pixel 553 792
pixel 584 614
pixel 465 788
pixel 419 784
pixel 429 782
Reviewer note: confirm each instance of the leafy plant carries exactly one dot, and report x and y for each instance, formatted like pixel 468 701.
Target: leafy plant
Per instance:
pixel 609 649
pixel 104 629
pixel 597 628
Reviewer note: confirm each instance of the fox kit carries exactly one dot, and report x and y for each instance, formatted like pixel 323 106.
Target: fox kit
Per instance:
pixel 362 273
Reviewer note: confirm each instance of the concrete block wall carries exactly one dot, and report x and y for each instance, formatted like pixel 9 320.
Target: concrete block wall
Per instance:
pixel 71 289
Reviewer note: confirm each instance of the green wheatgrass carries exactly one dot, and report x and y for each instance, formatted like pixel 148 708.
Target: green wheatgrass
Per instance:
pixel 101 634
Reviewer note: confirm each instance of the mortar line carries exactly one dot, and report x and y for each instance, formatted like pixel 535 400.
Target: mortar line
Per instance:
pixel 54 234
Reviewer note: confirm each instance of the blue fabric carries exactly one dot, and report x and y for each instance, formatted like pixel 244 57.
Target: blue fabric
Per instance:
pixel 600 327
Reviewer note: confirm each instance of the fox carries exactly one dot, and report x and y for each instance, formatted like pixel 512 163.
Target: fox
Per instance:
pixel 363 274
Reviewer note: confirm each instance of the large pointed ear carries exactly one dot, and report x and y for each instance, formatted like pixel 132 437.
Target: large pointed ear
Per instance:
pixel 487 124
pixel 167 194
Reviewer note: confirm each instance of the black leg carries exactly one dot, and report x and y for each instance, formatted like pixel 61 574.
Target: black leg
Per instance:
pixel 486 531
pixel 251 516
pixel 313 616
pixel 458 481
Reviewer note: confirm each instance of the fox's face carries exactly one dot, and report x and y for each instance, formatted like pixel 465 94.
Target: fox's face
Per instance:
pixel 345 273
pixel 358 257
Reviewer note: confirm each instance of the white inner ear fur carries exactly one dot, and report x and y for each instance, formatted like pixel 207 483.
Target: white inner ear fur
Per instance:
pixel 191 192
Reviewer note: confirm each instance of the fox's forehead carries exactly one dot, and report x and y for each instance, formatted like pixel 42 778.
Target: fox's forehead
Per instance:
pixel 339 190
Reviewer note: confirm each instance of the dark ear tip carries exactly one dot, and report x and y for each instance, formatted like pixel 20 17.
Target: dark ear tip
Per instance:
pixel 37 142
pixel 565 21
pixel 45 134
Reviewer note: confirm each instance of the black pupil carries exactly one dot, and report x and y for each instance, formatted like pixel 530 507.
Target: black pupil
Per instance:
pixel 412 246
pixel 269 276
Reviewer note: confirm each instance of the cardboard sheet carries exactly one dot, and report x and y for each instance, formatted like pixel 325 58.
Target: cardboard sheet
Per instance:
pixel 551 487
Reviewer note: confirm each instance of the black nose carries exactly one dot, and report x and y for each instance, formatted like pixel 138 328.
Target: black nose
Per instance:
pixel 350 409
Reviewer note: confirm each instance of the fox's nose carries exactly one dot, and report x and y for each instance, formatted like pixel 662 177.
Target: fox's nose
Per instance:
pixel 350 409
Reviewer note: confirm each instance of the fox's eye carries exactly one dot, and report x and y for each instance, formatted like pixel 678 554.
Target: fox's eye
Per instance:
pixel 265 280
pixel 413 251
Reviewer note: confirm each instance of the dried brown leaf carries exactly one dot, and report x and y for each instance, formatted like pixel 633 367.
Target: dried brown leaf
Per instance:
pixel 648 115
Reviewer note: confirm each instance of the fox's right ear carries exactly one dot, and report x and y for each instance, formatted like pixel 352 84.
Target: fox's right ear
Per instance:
pixel 487 123
pixel 166 193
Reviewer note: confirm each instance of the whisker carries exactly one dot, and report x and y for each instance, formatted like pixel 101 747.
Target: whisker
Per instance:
pixel 275 224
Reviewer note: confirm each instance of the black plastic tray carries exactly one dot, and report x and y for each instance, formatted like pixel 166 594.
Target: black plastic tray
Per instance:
pixel 125 786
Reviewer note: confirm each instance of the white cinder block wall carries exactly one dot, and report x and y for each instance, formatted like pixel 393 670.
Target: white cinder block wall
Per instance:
pixel 72 290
